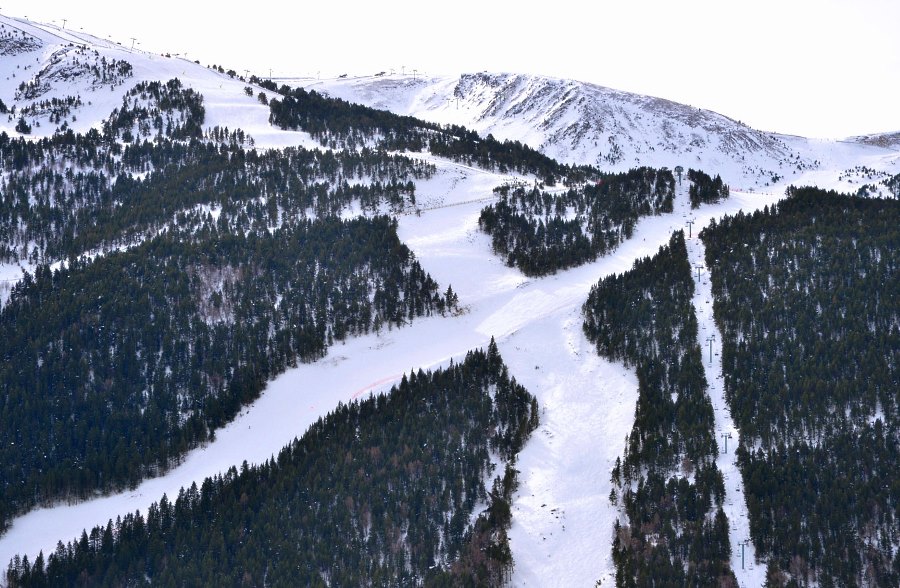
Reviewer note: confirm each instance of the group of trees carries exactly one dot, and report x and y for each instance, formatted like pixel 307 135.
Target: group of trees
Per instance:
pixel 113 368
pixel 75 62
pixel 14 41
pixel 670 489
pixel 69 194
pixel 156 109
pixel 541 232
pixel 341 124
pixel 704 189
pixel 893 184
pixel 378 493
pixel 806 300
pixel 224 266
pixel 22 126
pixel 56 109
pixel 236 265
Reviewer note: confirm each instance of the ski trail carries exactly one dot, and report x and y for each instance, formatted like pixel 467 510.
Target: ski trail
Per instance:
pixel 562 524
pixel 749 573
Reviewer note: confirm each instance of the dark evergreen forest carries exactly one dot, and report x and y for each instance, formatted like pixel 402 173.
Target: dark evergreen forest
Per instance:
pixel 224 266
pixel 73 194
pixel 113 368
pixel 668 485
pixel 178 271
pixel 339 124
pixel 542 232
pixel 806 297
pixel 377 493
pixel 704 189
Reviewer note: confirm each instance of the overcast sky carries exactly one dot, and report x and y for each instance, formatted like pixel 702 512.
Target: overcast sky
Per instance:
pixel 820 68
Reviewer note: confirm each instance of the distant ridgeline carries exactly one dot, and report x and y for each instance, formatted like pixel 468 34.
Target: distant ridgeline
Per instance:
pixel 237 266
pixel 340 124
pixel 541 232
pixel 667 484
pixel 377 493
pixel 807 296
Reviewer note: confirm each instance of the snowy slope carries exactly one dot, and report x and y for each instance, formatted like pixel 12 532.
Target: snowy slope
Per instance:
pixel 561 511
pixel 887 140
pixel 743 555
pixel 61 62
pixel 580 123
pixel 562 524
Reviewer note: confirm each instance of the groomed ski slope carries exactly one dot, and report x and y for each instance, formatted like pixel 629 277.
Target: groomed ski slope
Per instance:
pixel 562 518
pixel 562 524
pixel 743 554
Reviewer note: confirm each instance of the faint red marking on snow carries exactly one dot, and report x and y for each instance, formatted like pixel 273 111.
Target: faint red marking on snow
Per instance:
pixel 369 387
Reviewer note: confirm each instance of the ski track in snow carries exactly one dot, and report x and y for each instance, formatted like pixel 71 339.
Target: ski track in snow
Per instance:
pixel 562 527
pixel 562 519
pixel 749 573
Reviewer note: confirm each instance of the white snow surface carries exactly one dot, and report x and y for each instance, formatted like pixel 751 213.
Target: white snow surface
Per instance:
pixel 581 123
pixel 562 523
pixel 226 103
pixel 749 573
pixel 562 519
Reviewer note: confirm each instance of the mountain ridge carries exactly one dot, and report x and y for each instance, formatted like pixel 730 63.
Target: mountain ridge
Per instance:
pixel 582 123
pixel 571 121
pixel 565 508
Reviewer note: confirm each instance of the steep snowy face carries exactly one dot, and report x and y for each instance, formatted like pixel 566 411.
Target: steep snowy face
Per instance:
pixel 581 123
pixel 586 123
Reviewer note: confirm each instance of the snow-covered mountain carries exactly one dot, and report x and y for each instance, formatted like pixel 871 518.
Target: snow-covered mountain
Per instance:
pixel 577 122
pixel 571 121
pixel 58 78
pixel 886 140
pixel 582 123
pixel 55 78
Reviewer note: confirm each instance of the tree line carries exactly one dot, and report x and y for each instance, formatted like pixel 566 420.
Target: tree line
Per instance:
pixel 113 368
pixel 667 484
pixel 805 297
pixel 379 492
pixel 542 232
pixel 72 194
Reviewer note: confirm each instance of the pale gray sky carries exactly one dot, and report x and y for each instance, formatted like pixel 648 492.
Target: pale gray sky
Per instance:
pixel 822 68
